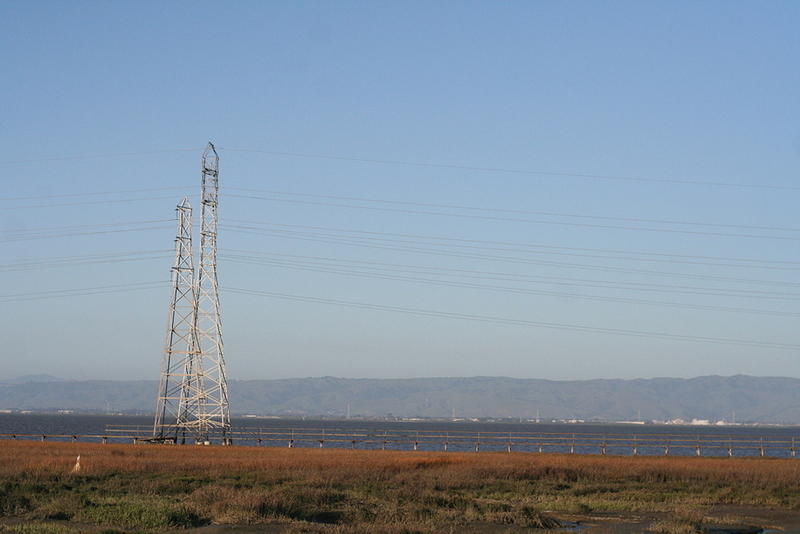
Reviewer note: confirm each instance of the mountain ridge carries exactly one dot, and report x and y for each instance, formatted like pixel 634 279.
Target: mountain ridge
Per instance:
pixel 713 397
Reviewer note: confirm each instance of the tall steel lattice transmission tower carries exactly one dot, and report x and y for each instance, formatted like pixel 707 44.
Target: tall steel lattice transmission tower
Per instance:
pixel 193 392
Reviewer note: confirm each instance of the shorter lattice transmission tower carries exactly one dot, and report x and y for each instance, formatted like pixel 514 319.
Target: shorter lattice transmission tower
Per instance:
pixel 193 392
pixel 178 384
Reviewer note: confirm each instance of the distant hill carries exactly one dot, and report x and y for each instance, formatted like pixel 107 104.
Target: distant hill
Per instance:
pixel 26 379
pixel 753 399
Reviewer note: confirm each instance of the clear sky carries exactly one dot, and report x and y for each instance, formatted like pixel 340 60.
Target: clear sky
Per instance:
pixel 420 105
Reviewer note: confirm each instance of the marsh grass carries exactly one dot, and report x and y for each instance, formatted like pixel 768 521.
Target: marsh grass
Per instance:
pixel 161 487
pixel 37 528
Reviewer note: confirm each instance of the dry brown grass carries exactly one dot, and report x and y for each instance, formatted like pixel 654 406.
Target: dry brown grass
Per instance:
pixel 161 486
pixel 58 458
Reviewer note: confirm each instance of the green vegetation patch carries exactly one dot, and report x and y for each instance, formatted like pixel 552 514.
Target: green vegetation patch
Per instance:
pixel 228 504
pixel 38 528
pixel 131 511
pixel 14 499
pixel 138 512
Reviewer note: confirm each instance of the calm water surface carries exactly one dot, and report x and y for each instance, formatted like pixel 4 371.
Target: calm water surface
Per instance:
pixel 436 435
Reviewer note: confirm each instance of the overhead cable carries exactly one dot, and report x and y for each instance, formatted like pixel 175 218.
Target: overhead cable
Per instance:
pixel 86 203
pixel 626 285
pixel 514 211
pixel 98 156
pixel 591 176
pixel 512 219
pixel 370 243
pixel 83 226
pixel 79 292
pixel 95 193
pixel 89 259
pixel 294 265
pixel 626 255
pixel 75 234
pixel 510 321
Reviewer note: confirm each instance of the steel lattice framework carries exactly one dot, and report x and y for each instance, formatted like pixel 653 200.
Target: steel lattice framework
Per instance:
pixel 212 412
pixel 178 371
pixel 193 393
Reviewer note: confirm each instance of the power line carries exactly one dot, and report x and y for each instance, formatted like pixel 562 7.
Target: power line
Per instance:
pixel 531 248
pixel 90 259
pixel 75 234
pixel 509 321
pixel 294 265
pixel 99 156
pixel 592 176
pixel 360 242
pixel 511 219
pixel 86 203
pixel 527 279
pixel 515 211
pixel 79 292
pixel 84 226
pixel 94 193
pixel 92 256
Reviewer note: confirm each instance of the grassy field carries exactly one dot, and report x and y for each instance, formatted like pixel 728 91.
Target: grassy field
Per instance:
pixel 160 488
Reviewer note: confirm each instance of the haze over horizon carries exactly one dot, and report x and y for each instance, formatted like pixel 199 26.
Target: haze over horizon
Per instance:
pixel 534 190
pixel 49 378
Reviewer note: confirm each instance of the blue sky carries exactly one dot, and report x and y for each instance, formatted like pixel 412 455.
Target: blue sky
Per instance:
pixel 105 97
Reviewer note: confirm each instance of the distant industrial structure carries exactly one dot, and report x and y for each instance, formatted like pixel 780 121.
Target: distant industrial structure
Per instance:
pixel 192 399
